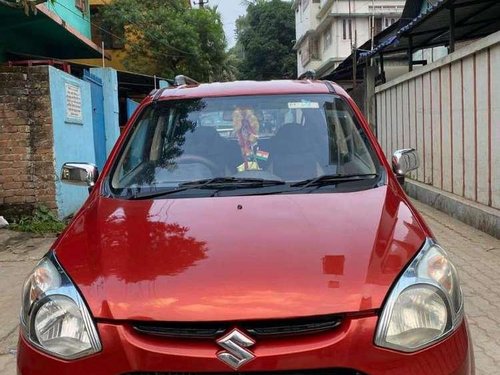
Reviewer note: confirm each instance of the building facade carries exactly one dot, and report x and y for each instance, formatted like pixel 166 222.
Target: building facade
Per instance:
pixel 75 13
pixel 103 34
pixel 59 30
pixel 328 30
pixel 115 41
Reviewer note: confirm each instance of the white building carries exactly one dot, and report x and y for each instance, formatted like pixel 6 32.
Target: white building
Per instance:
pixel 327 30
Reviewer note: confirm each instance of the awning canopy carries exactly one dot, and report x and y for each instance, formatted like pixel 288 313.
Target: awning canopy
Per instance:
pixel 448 21
pixel 44 35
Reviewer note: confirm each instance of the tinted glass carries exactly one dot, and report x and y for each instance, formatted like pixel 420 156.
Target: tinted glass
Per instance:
pixel 279 137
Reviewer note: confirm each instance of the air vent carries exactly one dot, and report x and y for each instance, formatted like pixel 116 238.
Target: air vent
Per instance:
pixel 331 371
pixel 261 328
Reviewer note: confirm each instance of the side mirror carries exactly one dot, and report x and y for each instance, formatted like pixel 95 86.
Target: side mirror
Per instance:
pixel 81 174
pixel 404 161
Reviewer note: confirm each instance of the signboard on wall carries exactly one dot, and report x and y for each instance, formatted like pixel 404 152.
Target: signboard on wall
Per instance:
pixel 74 112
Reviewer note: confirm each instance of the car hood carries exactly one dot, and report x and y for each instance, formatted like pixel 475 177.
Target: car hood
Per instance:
pixel 239 258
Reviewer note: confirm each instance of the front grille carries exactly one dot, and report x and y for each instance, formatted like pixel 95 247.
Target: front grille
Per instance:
pixel 265 328
pixel 332 371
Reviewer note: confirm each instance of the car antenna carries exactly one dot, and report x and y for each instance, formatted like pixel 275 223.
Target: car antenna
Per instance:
pixel 182 80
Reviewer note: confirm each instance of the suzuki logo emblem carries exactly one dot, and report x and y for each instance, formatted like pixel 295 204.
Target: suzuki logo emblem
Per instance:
pixel 235 354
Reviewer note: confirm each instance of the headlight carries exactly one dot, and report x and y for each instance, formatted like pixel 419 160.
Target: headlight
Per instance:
pixel 54 317
pixel 425 305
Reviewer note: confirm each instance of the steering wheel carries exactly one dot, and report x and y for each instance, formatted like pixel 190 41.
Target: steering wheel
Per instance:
pixel 189 158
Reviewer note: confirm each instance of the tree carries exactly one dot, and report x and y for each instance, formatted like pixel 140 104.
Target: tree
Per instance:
pixel 229 69
pixel 167 37
pixel 265 36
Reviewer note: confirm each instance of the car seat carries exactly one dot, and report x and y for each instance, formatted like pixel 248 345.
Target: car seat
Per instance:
pixel 206 142
pixel 322 137
pixel 292 155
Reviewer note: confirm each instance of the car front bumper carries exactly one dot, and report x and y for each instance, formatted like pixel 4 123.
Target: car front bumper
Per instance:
pixel 349 346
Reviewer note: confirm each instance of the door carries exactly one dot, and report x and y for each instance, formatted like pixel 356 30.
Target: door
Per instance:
pixel 97 117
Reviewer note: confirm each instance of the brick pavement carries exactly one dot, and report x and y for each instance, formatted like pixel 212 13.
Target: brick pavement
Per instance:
pixel 476 254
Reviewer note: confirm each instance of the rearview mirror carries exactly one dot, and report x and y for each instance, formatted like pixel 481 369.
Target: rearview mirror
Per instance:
pixel 81 174
pixel 404 161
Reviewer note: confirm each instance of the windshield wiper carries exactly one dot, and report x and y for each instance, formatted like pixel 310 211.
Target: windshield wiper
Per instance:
pixel 329 179
pixel 215 183
pixel 231 181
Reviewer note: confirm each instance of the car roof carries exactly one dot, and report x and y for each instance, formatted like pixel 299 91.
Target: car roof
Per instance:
pixel 237 88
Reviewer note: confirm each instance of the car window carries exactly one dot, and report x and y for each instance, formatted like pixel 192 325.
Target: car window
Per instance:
pixel 279 137
pixel 136 151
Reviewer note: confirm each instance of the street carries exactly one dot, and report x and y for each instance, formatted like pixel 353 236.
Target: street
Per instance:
pixel 476 254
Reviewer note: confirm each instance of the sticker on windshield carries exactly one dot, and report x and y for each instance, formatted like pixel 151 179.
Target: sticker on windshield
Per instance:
pixel 248 166
pixel 262 155
pixel 302 105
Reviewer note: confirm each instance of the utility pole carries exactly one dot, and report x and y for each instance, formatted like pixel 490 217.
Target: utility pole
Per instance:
pixel 201 3
pixel 354 61
pixel 353 45
pixel 103 53
pixel 373 29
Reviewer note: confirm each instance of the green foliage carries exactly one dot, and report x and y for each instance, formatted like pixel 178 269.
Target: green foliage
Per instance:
pixel 265 37
pixel 229 71
pixel 167 37
pixel 41 222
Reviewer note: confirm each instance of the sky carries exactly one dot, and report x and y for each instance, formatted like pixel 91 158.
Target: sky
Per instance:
pixel 230 11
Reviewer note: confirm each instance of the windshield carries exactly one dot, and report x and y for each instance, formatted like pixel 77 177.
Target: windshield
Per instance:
pixel 283 138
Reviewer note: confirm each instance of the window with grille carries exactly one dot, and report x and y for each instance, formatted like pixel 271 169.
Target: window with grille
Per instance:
pixel 327 38
pixel 377 26
pixel 314 48
pixel 389 21
pixel 347 29
pixel 81 5
pixel 102 31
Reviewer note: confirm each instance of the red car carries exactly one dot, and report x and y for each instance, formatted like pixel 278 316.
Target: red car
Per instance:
pixel 248 227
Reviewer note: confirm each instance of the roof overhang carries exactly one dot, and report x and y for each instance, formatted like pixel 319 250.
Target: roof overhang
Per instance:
pixel 324 9
pixel 301 40
pixel 472 19
pixel 327 67
pixel 43 35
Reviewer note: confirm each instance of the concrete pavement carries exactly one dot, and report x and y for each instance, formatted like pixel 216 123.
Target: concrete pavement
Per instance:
pixel 476 254
pixel 477 257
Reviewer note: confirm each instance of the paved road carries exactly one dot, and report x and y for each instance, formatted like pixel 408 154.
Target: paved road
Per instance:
pixel 476 255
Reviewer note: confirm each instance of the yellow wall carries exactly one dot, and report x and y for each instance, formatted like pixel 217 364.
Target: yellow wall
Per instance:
pixel 116 55
pixel 116 60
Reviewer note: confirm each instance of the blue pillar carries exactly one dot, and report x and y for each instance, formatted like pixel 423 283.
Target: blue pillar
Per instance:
pixel 73 136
